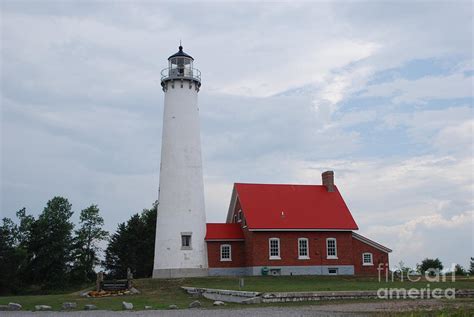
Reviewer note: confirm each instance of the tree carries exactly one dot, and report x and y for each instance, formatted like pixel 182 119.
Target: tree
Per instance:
pixel 429 266
pixel 85 247
pixel 14 257
pixel 49 244
pixel 459 270
pixel 132 246
pixel 471 269
pixel 10 258
pixel 25 227
pixel 405 270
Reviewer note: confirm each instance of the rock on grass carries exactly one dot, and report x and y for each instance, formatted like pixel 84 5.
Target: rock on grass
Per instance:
pixel 195 304
pixel 14 306
pixel 90 307
pixel 69 305
pixel 43 307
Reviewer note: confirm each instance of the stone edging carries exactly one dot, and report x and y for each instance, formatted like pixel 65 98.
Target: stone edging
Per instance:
pixel 246 297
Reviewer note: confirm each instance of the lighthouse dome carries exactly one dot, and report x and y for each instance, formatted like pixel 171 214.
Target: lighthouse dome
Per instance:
pixel 180 53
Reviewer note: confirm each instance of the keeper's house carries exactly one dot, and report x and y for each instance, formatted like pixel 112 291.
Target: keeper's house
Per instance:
pixel 281 229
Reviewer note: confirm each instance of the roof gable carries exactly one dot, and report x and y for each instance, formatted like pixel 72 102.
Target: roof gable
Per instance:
pixel 371 243
pixel 282 206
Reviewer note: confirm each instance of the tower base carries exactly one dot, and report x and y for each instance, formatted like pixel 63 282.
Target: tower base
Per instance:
pixel 177 273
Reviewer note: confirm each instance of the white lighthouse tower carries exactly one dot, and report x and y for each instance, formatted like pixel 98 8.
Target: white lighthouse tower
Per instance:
pixel 180 249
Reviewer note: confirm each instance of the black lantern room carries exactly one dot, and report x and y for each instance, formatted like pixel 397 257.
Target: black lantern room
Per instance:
pixel 180 66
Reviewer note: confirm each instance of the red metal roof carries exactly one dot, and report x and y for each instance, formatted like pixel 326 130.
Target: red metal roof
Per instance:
pixel 224 231
pixel 281 206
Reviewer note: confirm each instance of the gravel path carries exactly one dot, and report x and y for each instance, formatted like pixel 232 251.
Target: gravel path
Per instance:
pixel 333 310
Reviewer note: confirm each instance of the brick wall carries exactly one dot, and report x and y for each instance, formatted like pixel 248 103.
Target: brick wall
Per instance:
pixel 258 248
pixel 237 254
pixel 378 256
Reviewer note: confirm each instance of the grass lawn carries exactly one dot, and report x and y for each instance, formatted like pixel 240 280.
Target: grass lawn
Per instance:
pixel 161 293
pixel 315 283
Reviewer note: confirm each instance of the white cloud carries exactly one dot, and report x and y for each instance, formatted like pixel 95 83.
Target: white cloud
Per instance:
pixel 430 236
pixel 447 130
pixel 278 73
pixel 423 89
pixel 81 109
pixel 456 138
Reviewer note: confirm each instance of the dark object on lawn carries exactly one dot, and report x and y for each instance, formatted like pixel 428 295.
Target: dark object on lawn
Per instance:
pixel 114 285
pixel 98 281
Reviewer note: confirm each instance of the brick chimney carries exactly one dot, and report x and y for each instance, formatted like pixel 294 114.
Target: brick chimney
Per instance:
pixel 328 180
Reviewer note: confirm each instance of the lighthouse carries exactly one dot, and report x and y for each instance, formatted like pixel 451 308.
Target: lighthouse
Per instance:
pixel 180 249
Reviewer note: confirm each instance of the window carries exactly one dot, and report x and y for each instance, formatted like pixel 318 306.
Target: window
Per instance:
pixel 367 259
pixel 240 216
pixel 331 247
pixel 332 271
pixel 274 248
pixel 186 241
pixel 303 248
pixel 226 252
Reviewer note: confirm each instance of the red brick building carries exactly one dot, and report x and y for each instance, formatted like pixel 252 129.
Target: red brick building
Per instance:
pixel 284 229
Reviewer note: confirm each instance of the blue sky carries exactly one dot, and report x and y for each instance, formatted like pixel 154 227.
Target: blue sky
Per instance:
pixel 379 92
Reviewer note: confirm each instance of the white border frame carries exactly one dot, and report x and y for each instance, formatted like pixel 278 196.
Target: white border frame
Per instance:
pixel 230 252
pixel 303 257
pixel 371 259
pixel 331 257
pixel 269 249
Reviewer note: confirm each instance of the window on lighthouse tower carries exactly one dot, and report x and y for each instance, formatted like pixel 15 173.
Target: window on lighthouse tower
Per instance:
pixel 186 241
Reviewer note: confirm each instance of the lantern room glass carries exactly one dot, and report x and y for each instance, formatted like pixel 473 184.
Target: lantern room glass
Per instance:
pixel 181 67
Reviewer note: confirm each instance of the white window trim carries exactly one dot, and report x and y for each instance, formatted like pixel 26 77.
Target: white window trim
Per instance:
pixel 230 253
pixel 274 257
pixel 303 257
pixel 371 259
pixel 335 248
